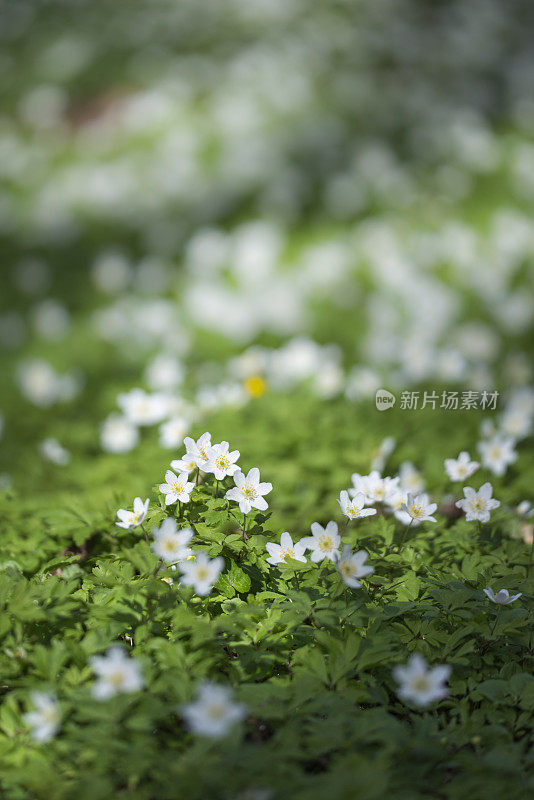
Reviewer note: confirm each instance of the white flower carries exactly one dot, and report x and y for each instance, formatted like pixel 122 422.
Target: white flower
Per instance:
pixel 524 509
pixel 286 549
pixel 497 453
pixel 46 718
pixel 221 462
pixel 188 463
pixel 169 543
pixel 354 509
pixel 249 491
pixel 351 566
pixel 130 519
pixel 116 674
pixel 201 573
pixel 323 542
pixel 461 468
pixel 396 502
pixel 419 509
pixel 118 435
pixel 477 505
pixel 52 451
pixel 410 478
pixel 503 597
pixel 172 432
pixel 197 451
pixel 420 684
pixel 374 488
pixel 141 408
pixel 516 423
pixel 164 373
pixel 176 487
pixel 213 712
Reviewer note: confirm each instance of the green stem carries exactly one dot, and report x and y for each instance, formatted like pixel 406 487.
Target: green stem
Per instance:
pixel 405 533
pixel 145 534
pixel 217 488
pixel 496 620
pixel 244 527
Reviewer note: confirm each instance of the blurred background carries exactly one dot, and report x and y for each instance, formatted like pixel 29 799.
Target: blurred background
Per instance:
pixel 202 203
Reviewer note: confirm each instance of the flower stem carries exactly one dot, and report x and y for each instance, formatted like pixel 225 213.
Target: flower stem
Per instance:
pixel 145 534
pixel 496 620
pixel 244 527
pixel 405 533
pixel 216 488
pixel 179 509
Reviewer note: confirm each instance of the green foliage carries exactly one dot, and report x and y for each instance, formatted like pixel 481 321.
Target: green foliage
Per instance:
pixel 311 659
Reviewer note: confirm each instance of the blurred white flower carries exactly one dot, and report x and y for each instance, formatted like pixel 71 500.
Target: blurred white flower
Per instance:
pixel 200 572
pixel 351 566
pixel 213 712
pixel 410 479
pixel 497 454
pixel 461 468
pixel 419 684
pixel 172 432
pixel 46 718
pixel 51 450
pixel 112 272
pixel 164 373
pixel 170 544
pixel 118 435
pixel 141 408
pixel 116 673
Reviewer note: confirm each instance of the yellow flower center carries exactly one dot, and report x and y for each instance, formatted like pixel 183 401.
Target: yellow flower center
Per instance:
pixel 416 511
pixel 222 462
pixel 325 543
pixel 255 386
pixel 420 683
pixel 287 553
pixel 248 491
pixel 117 679
pixel 177 487
pixel 202 573
pixel 347 569
pixel 216 710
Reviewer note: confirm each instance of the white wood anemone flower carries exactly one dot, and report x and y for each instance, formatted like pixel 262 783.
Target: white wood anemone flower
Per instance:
pixel 249 491
pixel 45 720
pixel 323 543
pixel 419 509
pixel 497 453
pixel 213 712
pixel 354 509
pixel 116 673
pixel 198 451
pixel 461 468
pixel 503 597
pixel 478 505
pixel 351 566
pixel 200 572
pixel 420 684
pixel 176 488
pixel 278 553
pixel 170 544
pixel 131 519
pixel 221 462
